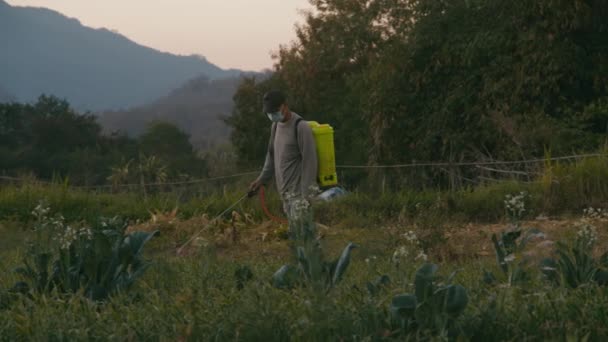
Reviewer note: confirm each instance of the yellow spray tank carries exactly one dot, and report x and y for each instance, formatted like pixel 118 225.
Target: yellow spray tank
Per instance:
pixel 324 140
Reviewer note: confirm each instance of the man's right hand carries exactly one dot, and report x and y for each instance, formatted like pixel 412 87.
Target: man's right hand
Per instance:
pixel 254 187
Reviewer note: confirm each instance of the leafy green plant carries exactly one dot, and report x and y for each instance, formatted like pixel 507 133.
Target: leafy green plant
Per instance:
pixel 311 268
pixel 574 264
pixel 430 222
pixel 286 277
pixel 242 275
pixel 433 306
pixel 376 286
pixel 509 247
pixel 100 261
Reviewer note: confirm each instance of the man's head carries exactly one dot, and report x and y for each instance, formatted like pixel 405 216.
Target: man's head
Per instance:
pixel 275 106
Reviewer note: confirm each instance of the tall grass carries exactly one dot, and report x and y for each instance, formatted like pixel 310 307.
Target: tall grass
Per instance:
pixel 577 185
pixel 17 202
pixel 560 189
pixel 197 299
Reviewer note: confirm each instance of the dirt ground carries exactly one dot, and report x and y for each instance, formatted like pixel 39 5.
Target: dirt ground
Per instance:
pixel 242 239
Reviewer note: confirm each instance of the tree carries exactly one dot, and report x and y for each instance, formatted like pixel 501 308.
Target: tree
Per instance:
pixel 172 146
pixel 50 139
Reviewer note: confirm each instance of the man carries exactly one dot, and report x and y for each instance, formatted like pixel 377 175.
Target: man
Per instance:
pixel 291 156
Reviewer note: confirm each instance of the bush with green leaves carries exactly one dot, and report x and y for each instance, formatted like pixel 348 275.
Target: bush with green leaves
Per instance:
pixel 574 264
pixel 311 267
pixel 509 245
pixel 99 260
pixel 434 306
pixel 509 248
pixel 242 275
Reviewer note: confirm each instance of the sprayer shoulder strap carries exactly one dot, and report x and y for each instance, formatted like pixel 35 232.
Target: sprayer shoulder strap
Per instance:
pixel 296 130
pixel 273 133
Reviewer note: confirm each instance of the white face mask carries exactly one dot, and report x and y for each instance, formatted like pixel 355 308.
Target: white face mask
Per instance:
pixel 276 117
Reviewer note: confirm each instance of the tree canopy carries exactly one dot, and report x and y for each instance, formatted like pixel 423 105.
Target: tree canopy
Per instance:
pixel 455 80
pixel 49 139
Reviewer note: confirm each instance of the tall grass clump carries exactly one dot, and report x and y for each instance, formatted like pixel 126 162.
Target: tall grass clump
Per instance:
pixel 577 185
pixel 486 203
pixel 561 188
pixel 18 201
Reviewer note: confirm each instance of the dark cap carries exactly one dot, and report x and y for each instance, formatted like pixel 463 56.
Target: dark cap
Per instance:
pixel 273 101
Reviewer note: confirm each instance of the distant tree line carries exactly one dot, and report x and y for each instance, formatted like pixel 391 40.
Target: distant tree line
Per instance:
pixel 455 80
pixel 51 141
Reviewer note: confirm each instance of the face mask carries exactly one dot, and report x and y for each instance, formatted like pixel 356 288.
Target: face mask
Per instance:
pixel 275 117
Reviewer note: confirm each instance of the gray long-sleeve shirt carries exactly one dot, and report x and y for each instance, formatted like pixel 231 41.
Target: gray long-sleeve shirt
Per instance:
pixel 292 163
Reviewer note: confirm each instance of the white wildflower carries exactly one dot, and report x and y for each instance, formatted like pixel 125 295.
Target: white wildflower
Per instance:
pixel 400 253
pixel 314 189
pixel 410 236
pixel 69 235
pixel 40 211
pixel 298 208
pixel 515 205
pixel 410 248
pixel 595 213
pixel 85 232
pixel 587 234
pixel 289 195
pixel 422 256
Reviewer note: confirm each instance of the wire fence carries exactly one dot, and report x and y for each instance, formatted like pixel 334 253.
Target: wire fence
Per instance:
pixel 478 163
pixel 487 171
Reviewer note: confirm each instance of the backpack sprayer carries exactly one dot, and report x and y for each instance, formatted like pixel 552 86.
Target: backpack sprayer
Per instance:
pixel 326 155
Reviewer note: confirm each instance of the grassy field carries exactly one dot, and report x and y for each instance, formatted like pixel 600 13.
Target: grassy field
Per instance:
pixel 221 287
pixel 197 296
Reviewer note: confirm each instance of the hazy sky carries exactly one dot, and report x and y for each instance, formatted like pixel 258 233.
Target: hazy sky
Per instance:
pixel 230 33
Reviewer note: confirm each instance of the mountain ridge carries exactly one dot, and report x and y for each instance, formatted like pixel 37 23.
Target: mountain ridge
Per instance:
pixel 94 69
